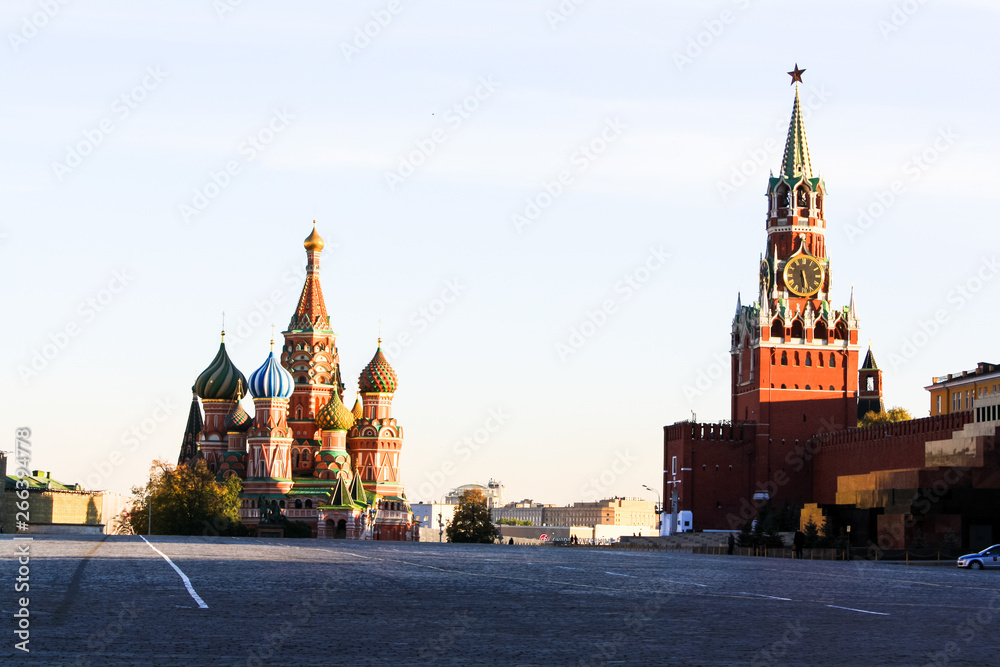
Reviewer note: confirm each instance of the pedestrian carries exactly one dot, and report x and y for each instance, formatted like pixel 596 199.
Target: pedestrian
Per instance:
pixel 732 544
pixel 799 540
pixel 511 541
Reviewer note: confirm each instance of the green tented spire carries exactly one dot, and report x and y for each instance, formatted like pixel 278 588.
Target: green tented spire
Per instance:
pixel 795 162
pixel 869 360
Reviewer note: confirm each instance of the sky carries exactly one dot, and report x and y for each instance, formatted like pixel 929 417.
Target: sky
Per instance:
pixel 550 207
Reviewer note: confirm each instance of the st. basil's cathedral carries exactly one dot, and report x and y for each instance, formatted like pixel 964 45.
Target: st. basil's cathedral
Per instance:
pixel 325 465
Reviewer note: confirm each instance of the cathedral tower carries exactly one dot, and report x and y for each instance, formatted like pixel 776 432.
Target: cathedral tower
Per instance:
pixel 219 388
pixel 310 354
pixel 269 465
pixel 870 387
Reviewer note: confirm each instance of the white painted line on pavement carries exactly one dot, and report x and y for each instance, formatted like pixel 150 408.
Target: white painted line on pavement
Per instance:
pixel 686 583
pixel 563 567
pixel 771 597
pixel 618 574
pixel 184 577
pixel 862 611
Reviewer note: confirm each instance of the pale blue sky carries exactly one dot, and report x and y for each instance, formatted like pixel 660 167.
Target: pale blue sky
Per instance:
pixel 197 85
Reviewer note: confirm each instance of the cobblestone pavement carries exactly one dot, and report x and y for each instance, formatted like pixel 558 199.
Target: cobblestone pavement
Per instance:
pixel 115 601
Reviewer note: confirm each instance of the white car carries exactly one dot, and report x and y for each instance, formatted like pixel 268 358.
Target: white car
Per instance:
pixel 986 558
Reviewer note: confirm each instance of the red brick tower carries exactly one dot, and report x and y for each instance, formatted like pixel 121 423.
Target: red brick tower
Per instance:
pixel 310 354
pixel 794 356
pixel 870 386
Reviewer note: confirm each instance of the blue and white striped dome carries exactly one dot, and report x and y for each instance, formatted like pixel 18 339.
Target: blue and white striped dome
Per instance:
pixel 271 380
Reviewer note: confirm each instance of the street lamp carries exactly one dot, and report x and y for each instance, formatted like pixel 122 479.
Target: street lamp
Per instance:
pixel 659 507
pixel 440 527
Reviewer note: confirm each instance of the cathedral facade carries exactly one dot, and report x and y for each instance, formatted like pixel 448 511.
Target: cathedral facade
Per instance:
pixel 303 453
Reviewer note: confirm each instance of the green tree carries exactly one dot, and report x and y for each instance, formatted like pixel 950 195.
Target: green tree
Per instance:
pixel 471 522
pixel 812 534
pixel 890 416
pixel 186 500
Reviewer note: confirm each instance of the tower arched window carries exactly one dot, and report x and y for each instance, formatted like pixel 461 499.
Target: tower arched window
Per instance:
pixel 820 333
pixel 809 359
pixel 840 332
pixel 782 196
pixel 784 360
pixel 802 196
pixel 772 358
pixel 298 412
pixel 796 357
pixel 797 329
pixel 833 360
pixel 295 458
pixel 819 357
pixel 870 383
pixel 777 329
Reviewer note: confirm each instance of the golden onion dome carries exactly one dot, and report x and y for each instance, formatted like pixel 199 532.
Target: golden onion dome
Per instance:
pixel 314 241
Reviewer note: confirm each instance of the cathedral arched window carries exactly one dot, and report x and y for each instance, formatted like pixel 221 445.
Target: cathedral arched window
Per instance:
pixel 809 359
pixel 309 504
pixel 295 458
pixel 783 386
pixel 833 361
pixel 281 504
pixel 298 412
pixel 298 504
pixel 784 361
pixel 831 387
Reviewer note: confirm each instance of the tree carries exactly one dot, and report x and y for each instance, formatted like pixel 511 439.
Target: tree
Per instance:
pixel 890 416
pixel 471 522
pixel 186 500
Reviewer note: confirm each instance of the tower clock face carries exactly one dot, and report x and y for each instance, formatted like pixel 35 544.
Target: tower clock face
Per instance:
pixel 803 275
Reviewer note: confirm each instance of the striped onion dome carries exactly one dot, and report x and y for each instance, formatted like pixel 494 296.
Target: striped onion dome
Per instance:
pixel 378 376
pixel 238 421
pixel 221 380
pixel 271 380
pixel 358 411
pixel 334 416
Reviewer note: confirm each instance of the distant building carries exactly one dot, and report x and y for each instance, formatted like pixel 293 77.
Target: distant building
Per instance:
pixel 493 492
pixel 433 519
pixel 955 392
pixel 608 512
pixel 55 507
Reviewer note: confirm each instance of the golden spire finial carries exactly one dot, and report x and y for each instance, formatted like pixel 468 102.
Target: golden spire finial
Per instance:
pixel 314 241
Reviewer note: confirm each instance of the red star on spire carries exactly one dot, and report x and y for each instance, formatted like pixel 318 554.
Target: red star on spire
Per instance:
pixel 796 74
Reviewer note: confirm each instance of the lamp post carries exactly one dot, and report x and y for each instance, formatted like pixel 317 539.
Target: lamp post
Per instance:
pixel 659 507
pixel 440 527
